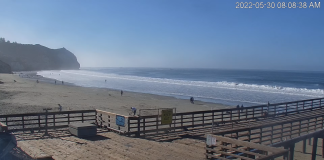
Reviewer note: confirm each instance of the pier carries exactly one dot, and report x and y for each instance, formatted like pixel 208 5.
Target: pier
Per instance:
pixel 257 132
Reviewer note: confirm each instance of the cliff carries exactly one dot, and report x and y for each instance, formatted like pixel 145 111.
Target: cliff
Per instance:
pixel 4 68
pixel 27 57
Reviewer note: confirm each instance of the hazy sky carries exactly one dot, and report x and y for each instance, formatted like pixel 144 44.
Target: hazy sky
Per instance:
pixel 170 33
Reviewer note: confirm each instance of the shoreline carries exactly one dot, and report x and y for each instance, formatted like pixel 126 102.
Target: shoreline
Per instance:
pixel 25 95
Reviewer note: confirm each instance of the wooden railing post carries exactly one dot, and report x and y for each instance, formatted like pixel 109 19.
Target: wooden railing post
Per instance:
pixel 203 119
pixel 275 110
pixel 54 120
pixel 303 104
pixel 23 123
pixel 304 146
pixel 138 126
pixel 192 119
pixel 286 109
pixel 108 121
pixel 128 126
pixel 68 118
pixel 39 125
pixel 222 116
pixel 181 120
pixel 314 148
pixel 144 126
pixel 82 117
pixel 157 123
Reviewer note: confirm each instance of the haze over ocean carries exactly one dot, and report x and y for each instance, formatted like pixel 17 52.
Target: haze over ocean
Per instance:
pixel 230 87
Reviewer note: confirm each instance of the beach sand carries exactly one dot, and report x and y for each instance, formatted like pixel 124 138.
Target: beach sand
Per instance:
pixel 25 95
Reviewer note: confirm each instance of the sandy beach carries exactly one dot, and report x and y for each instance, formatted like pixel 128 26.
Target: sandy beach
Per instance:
pixel 26 95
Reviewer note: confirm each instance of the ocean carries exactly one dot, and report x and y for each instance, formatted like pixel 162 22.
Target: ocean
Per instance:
pixel 229 87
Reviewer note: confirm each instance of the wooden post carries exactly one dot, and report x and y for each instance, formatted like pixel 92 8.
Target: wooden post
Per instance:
pixel 54 120
pixel 108 121
pixel 250 135
pixel 213 122
pixel 203 120
pixel 128 126
pixel 138 126
pixel 253 113
pixel 285 156
pixel 286 109
pixel 291 152
pixel 323 147
pixel 323 122
pixel 291 129
pixel 299 128
pixel 192 116
pixel 157 123
pixel 181 120
pixel 23 122
pixel 314 148
pixel 304 146
pixel 6 120
pixel 39 123
pixel 68 118
pixel 303 104
pixel 144 126
pixel 275 110
pixel 222 116
pixel 82 117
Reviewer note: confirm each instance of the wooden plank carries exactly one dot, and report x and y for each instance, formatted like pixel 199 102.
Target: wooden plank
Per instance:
pixel 314 148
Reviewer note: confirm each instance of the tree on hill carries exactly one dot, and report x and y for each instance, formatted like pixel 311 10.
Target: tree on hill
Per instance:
pixel 2 40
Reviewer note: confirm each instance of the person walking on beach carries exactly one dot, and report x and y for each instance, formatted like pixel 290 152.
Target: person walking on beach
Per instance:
pixel 133 110
pixel 121 93
pixel 62 82
pixel 60 107
pixel 192 100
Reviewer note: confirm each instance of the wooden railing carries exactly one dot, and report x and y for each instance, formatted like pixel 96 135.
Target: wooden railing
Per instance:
pixel 226 148
pixel 144 125
pixel 51 120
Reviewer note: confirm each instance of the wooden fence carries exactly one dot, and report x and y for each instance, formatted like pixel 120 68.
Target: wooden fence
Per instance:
pixel 145 125
pixel 53 120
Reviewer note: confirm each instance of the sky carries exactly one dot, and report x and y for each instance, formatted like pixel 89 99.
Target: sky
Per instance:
pixel 171 33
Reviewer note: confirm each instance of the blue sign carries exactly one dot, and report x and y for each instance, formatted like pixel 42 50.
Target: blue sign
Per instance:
pixel 120 120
